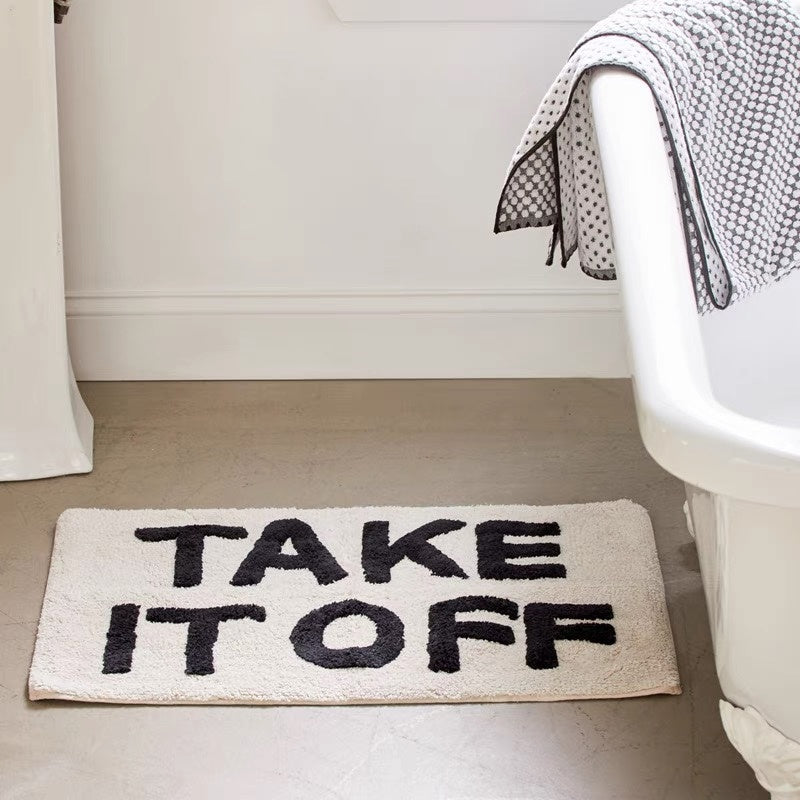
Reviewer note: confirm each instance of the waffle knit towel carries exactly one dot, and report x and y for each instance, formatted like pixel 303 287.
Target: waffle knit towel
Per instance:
pixel 725 76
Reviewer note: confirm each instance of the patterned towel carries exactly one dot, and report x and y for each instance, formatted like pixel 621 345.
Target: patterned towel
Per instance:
pixel 725 75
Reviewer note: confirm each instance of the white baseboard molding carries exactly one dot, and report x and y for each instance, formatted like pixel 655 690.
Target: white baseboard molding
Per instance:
pixel 267 335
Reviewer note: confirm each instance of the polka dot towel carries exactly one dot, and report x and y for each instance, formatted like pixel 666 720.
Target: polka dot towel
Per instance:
pixel 725 75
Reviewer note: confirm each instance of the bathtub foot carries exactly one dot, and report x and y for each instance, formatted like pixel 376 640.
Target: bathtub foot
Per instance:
pixel 774 757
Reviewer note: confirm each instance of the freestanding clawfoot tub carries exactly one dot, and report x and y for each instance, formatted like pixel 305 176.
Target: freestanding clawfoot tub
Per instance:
pixel 718 401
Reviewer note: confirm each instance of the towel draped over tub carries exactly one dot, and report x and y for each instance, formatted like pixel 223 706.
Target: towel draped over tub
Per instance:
pixel 725 76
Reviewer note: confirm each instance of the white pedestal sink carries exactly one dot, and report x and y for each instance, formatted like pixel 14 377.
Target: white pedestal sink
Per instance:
pixel 45 428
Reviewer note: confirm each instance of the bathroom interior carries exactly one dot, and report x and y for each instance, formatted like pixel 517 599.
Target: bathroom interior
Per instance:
pixel 253 282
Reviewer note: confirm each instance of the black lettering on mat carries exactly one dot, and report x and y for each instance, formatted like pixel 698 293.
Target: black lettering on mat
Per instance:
pixel 310 554
pixel 542 629
pixel 189 545
pixel 204 630
pixel 120 639
pixel 495 552
pixel 444 630
pixel 307 636
pixel 378 556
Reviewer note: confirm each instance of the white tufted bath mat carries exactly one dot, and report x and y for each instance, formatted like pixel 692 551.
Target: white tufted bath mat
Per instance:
pixel 354 605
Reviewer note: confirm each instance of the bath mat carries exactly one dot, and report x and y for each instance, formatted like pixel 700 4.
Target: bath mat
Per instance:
pixel 354 605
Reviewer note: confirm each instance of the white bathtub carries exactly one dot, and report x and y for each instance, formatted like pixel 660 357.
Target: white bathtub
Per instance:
pixel 718 400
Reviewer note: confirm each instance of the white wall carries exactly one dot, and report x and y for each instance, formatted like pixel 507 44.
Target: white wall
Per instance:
pixel 252 188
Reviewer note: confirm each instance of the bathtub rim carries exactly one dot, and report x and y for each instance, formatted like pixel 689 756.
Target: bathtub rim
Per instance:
pixel 683 426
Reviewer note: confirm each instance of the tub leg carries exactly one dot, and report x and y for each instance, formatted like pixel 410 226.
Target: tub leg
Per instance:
pixel 774 758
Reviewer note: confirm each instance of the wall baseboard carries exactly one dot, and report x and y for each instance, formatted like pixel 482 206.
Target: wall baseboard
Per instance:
pixel 151 335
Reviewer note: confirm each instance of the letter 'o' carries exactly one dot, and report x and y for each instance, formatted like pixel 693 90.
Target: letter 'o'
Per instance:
pixel 307 636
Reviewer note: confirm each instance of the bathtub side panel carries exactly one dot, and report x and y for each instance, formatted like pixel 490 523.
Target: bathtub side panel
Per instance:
pixel 749 558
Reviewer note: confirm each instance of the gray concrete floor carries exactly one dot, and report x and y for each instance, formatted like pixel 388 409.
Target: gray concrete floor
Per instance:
pixel 361 443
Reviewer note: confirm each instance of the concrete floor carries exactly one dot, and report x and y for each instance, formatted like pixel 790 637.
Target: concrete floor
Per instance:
pixel 361 443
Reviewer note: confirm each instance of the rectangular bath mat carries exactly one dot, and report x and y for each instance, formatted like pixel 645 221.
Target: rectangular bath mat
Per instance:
pixel 354 605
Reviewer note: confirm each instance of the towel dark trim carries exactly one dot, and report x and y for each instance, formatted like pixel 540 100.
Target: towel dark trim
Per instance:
pixel 559 205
